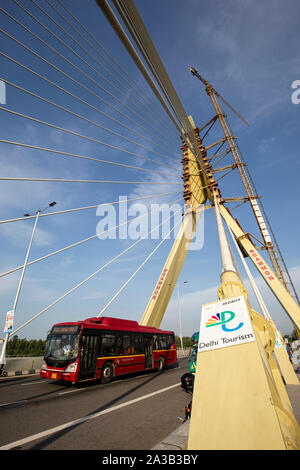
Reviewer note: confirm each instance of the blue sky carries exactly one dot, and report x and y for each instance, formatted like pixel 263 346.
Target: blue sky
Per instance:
pixel 247 50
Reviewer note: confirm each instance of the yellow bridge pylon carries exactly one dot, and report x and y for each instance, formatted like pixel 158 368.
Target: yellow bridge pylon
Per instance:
pixel 239 398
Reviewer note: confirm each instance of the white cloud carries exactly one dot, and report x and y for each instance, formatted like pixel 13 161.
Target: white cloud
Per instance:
pixel 153 189
pixel 19 234
pixel 190 305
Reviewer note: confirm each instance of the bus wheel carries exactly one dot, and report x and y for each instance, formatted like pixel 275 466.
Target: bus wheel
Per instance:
pixel 161 364
pixel 107 373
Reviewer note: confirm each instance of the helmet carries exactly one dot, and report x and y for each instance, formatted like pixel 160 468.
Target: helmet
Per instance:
pixel 195 337
pixel 187 381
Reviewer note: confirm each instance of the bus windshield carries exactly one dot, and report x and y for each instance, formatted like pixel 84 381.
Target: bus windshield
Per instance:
pixel 62 347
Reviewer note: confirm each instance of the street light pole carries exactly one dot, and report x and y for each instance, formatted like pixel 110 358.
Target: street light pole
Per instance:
pixel 179 312
pixel 3 350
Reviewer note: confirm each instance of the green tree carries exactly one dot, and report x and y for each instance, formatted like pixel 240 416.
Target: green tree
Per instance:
pixel 17 347
pixel 186 341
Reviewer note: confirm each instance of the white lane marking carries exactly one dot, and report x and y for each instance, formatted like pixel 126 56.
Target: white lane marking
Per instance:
pixel 13 402
pixel 82 420
pixel 72 391
pixel 36 382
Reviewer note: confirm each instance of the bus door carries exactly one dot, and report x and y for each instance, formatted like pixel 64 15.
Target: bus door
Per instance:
pixel 148 348
pixel 88 356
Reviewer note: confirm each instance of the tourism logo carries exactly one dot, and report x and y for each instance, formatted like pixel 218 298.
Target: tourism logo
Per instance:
pixel 221 319
pixel 225 323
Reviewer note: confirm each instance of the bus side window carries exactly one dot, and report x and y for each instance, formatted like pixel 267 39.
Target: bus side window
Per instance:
pixel 99 345
pixel 155 342
pixel 126 345
pixel 119 349
pixel 138 345
pixel 93 346
pixel 163 342
pixel 108 345
pixel 170 341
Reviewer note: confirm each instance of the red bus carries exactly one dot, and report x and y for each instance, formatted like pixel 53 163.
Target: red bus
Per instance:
pixel 103 348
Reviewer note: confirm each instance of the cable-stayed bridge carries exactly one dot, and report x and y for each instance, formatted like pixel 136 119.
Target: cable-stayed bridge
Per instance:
pixel 80 129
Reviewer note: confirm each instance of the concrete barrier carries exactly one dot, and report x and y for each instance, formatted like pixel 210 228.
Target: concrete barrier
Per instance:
pixel 32 365
pixel 183 352
pixel 23 365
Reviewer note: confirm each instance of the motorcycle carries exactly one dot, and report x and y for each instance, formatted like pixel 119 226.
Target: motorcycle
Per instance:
pixel 187 383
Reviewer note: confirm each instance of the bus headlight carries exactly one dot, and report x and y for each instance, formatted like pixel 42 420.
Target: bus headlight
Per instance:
pixel 72 367
pixel 44 366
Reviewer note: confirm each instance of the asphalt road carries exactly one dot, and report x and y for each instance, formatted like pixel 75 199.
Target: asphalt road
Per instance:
pixel 131 413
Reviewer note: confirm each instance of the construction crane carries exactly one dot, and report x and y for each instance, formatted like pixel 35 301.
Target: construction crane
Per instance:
pixel 270 244
pixel 205 82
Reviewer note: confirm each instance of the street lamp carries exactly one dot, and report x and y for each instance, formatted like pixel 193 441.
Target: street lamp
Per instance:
pixel 12 312
pixel 179 311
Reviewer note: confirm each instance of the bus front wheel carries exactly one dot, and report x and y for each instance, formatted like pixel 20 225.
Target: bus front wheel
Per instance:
pixel 107 373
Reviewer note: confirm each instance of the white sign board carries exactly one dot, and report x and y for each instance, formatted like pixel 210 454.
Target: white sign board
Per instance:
pixel 296 352
pixel 9 321
pixel 225 323
pixel 278 342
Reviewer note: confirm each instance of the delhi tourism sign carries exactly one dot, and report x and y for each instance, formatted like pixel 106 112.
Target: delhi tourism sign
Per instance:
pixel 225 323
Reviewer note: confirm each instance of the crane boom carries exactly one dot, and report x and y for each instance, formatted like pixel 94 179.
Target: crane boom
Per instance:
pixel 205 82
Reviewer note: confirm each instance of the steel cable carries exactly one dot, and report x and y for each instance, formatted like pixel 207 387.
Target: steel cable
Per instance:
pixel 89 77
pixel 84 157
pixel 80 117
pixel 63 180
pixel 86 51
pixel 76 81
pixel 79 243
pixel 77 98
pixel 124 74
pixel 77 134
pixel 87 279
pixel 139 268
pixel 76 209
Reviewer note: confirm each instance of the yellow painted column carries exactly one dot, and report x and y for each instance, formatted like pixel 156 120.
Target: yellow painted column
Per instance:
pixel 195 194
pixel 164 287
pixel 280 352
pixel 236 402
